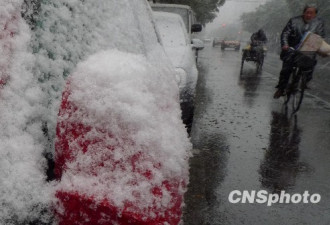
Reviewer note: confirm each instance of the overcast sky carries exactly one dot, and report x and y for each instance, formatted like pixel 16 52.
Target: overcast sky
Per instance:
pixel 230 12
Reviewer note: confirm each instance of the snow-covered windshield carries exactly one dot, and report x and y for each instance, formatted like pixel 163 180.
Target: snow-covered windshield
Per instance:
pixel 183 12
pixel 171 29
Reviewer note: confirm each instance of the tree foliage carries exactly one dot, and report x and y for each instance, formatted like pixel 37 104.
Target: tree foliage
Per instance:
pixel 206 10
pixel 271 17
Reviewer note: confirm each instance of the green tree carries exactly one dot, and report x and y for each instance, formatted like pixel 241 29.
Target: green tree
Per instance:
pixel 271 17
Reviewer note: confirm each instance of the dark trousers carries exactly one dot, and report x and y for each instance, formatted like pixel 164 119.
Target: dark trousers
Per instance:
pixel 287 68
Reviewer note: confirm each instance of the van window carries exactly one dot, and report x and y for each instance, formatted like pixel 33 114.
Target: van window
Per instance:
pixel 171 29
pixel 184 13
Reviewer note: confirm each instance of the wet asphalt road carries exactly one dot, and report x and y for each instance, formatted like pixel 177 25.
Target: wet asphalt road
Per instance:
pixel 243 140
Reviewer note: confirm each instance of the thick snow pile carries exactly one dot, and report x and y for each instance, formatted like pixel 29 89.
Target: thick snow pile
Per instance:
pixel 68 31
pixel 133 138
pixel 24 193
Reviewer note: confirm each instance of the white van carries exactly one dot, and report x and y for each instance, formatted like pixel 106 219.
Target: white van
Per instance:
pixel 189 19
pixel 175 40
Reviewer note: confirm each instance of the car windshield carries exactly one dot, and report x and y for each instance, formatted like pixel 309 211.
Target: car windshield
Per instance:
pixel 171 29
pixel 183 12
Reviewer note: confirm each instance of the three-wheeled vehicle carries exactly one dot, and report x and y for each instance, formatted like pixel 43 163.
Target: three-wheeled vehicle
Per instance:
pixel 255 54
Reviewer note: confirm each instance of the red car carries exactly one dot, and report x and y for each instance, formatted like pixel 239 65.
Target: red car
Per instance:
pixel 230 44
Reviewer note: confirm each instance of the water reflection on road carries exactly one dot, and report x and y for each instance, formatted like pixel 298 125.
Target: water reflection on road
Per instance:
pixel 249 80
pixel 281 164
pixel 208 166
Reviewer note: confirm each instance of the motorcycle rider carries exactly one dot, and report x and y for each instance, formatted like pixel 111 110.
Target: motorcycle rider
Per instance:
pixel 291 37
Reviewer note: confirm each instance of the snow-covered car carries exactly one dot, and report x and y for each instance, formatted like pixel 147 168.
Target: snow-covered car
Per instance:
pixel 186 13
pixel 177 46
pixel 189 19
pixel 120 113
pixel 121 150
pixel 25 193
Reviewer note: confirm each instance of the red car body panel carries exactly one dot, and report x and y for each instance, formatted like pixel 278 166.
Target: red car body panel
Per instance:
pixel 78 208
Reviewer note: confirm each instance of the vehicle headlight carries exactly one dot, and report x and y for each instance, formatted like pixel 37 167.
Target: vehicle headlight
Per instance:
pixel 181 77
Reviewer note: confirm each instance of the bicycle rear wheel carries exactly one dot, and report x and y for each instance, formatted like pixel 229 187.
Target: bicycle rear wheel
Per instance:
pixel 287 98
pixel 298 95
pixel 291 87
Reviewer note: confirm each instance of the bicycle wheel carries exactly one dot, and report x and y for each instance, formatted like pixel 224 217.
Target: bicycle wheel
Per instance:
pixel 287 97
pixel 292 86
pixel 299 93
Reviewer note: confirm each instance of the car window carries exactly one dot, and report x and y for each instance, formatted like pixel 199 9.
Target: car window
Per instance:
pixel 184 13
pixel 171 29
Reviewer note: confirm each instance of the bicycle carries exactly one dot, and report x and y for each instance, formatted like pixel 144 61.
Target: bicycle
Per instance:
pixel 303 62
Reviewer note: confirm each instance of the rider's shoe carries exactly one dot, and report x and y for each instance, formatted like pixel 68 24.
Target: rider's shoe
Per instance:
pixel 278 93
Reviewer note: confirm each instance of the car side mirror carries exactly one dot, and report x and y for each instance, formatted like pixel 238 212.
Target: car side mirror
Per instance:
pixel 196 28
pixel 197 44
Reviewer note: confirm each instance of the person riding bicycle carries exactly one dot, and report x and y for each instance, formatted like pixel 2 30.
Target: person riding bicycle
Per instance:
pixel 291 36
pixel 258 39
